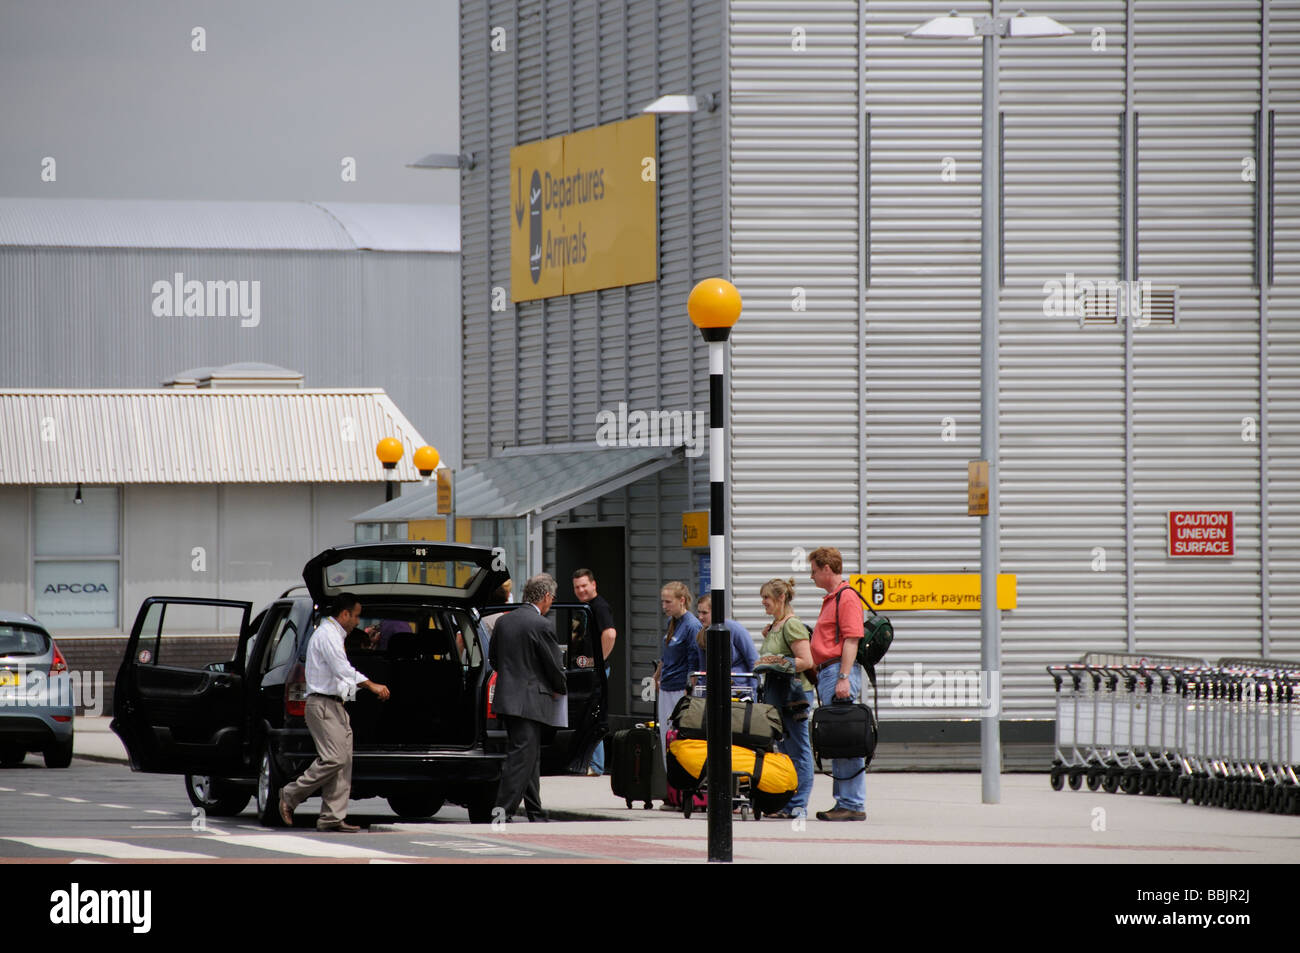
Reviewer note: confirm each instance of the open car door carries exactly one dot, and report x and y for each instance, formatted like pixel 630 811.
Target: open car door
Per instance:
pixel 176 715
pixel 566 748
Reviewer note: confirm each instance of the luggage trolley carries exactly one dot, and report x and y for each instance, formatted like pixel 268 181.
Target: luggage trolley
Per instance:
pixel 1117 714
pixel 741 782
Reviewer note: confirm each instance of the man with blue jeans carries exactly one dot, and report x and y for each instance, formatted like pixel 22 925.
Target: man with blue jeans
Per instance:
pixel 834 647
pixel 584 587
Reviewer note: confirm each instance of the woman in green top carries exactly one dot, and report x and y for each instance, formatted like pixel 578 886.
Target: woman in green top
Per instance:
pixel 786 640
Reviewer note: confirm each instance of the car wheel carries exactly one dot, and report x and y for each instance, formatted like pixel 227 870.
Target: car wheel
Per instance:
pixel 11 755
pixel 59 754
pixel 416 805
pixel 269 786
pixel 215 796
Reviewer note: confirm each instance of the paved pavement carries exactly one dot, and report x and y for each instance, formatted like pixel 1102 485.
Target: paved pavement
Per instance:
pixel 911 818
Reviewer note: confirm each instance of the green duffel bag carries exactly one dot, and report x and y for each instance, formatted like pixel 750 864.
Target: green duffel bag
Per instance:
pixel 753 724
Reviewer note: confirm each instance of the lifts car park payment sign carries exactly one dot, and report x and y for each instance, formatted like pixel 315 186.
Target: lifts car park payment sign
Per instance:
pixel 890 591
pixel 584 211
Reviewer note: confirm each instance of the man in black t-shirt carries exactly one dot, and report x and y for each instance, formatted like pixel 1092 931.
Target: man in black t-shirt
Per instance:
pixel 584 587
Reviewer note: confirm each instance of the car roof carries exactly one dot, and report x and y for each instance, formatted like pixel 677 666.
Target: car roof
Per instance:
pixel 19 618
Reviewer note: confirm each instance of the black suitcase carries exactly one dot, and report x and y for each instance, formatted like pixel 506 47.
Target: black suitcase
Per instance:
pixel 637 764
pixel 844 729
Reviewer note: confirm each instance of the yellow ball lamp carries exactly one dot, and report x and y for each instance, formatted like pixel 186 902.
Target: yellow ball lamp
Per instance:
pixel 426 460
pixel 389 451
pixel 714 306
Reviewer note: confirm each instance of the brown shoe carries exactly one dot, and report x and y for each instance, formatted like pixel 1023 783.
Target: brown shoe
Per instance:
pixel 841 814
pixel 286 813
pixel 342 827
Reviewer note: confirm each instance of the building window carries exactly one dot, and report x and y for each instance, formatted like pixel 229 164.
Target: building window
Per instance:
pixel 78 557
pixel 512 536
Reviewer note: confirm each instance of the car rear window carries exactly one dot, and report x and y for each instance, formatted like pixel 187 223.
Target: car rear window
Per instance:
pixel 17 640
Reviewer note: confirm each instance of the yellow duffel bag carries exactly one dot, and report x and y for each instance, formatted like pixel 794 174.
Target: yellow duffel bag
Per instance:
pixel 773 775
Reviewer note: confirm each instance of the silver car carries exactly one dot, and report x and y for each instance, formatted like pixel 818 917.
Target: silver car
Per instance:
pixel 37 708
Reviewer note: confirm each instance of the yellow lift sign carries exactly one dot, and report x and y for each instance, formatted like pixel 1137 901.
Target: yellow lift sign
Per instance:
pixel 890 592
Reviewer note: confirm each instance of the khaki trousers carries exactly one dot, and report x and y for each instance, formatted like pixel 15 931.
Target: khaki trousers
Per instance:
pixel 331 772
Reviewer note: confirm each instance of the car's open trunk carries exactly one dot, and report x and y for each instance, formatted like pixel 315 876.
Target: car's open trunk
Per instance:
pixel 433 677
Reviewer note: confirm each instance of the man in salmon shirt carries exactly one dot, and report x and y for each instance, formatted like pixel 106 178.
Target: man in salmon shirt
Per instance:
pixel 838 676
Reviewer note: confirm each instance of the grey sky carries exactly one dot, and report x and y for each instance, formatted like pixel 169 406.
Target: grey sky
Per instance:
pixel 286 89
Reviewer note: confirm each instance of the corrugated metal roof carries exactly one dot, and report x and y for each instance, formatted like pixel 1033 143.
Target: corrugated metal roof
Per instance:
pixel 393 227
pixel 224 436
pixel 521 483
pixel 327 226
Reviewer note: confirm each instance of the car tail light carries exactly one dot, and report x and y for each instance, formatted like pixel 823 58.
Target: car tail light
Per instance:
pixel 491 695
pixel 295 692
pixel 59 665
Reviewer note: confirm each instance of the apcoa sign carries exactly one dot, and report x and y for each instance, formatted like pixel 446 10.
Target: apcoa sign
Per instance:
pixel 1201 533
pixel 584 211
pixel 890 592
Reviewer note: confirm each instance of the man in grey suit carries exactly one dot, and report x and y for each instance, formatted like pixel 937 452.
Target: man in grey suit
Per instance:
pixel 525 656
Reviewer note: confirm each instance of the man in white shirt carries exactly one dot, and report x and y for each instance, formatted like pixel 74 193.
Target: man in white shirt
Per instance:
pixel 331 681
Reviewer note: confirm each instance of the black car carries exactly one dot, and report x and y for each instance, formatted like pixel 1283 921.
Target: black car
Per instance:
pixel 236 728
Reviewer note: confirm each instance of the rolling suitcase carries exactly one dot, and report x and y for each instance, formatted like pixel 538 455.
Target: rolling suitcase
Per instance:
pixel 637 772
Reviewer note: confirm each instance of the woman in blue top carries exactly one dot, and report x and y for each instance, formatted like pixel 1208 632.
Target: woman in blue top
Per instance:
pixel 680 655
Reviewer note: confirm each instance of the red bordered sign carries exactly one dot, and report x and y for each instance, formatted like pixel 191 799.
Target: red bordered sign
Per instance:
pixel 1203 533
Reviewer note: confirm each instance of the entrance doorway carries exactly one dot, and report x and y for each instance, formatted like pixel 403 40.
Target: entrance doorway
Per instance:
pixel 600 549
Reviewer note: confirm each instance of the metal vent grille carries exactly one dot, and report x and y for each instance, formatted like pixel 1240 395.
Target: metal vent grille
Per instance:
pixel 1146 305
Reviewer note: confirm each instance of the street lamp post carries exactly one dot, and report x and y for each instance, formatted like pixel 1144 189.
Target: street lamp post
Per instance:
pixel 389 451
pixel 714 306
pixel 991 29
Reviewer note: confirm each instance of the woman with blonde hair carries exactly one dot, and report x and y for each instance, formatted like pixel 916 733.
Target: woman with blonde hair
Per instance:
pixel 786 649
pixel 680 654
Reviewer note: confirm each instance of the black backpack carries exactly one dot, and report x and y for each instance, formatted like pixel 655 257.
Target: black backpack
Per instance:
pixel 877 637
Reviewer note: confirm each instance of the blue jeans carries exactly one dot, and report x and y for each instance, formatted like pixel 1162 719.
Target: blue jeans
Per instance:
pixel 850 790
pixel 598 756
pixel 797 745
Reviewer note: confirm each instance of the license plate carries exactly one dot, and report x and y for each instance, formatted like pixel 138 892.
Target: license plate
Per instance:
pixel 9 679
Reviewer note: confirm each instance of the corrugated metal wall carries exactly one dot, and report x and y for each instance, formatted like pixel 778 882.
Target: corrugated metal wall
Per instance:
pixel 794 192
pixel 1283 324
pixel 1196 90
pixel 540 371
pixel 82 317
pixel 1097 422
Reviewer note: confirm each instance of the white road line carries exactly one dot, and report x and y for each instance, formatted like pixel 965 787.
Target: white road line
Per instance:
pixel 74 800
pixel 35 794
pixel 475 847
pixel 307 847
pixel 118 850
pixel 8 790
pixel 382 860
pixel 150 811
pixel 116 807
pixel 82 860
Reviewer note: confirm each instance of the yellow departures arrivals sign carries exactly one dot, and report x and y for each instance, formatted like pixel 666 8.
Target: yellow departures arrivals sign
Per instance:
pixel 584 211
pixel 890 592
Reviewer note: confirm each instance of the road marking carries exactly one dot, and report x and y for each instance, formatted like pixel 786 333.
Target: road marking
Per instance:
pixel 118 850
pixel 74 800
pixel 9 790
pixel 82 860
pixel 35 794
pixel 164 813
pixel 306 846
pixel 384 860
pixel 474 847
pixel 116 807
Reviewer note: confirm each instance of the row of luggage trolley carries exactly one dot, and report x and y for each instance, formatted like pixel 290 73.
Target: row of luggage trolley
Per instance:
pixel 1215 734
